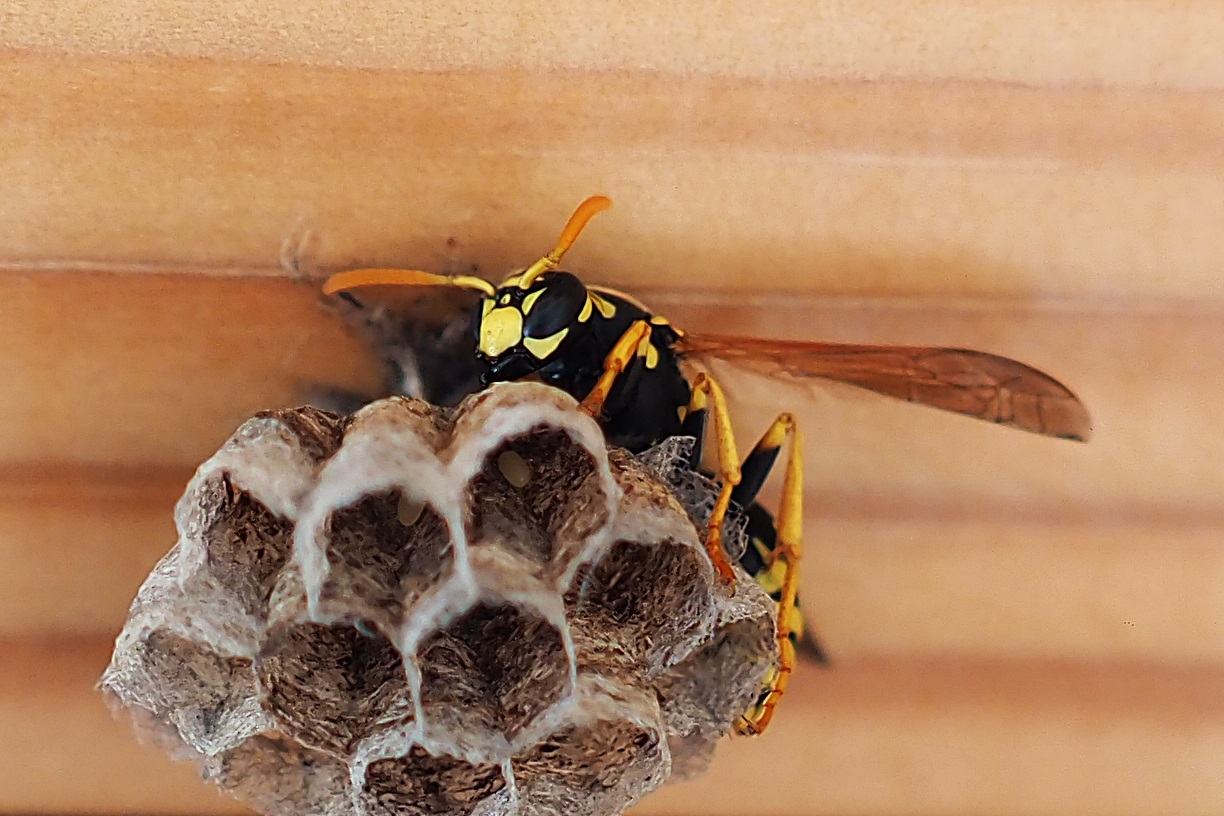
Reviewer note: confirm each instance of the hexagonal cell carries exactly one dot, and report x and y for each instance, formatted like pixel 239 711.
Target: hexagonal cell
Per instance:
pixel 424 784
pixel 329 687
pixel 594 768
pixel 383 551
pixel 720 681
pixel 209 698
pixel 653 599
pixel 315 432
pixel 487 675
pixel 538 494
pixel 278 777
pixel 246 544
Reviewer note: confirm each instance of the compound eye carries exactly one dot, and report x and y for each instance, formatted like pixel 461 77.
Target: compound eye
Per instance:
pixel 553 306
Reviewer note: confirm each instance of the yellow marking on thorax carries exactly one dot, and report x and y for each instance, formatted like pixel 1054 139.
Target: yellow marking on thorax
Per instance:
pixel 530 301
pixel 587 308
pixel 652 356
pixel 606 308
pixel 543 347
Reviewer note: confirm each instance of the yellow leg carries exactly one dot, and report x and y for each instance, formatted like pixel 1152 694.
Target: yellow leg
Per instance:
pixel 789 551
pixel 632 343
pixel 728 468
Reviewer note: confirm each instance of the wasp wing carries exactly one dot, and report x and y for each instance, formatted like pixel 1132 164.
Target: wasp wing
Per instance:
pixel 973 383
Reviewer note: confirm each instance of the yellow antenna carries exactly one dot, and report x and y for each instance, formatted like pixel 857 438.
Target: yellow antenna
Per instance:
pixel 357 278
pixel 585 212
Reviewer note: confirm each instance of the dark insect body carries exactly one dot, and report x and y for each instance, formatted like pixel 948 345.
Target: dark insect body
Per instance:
pixel 624 365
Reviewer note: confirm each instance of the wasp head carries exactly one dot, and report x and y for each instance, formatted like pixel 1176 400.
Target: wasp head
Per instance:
pixel 522 329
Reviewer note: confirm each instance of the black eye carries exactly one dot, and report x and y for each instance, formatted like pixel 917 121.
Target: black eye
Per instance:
pixel 553 306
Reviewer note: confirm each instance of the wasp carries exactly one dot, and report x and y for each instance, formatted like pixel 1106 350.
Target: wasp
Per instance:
pixel 623 364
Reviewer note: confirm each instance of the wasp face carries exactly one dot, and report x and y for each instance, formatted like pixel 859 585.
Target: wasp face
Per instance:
pixel 522 330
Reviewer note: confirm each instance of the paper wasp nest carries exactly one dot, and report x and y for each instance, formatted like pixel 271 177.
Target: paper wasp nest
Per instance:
pixel 416 610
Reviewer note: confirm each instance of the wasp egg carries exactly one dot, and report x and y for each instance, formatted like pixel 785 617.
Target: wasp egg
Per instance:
pixel 514 468
pixel 409 510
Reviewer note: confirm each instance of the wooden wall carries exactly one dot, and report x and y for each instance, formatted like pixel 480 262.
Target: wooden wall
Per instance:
pixel 1020 626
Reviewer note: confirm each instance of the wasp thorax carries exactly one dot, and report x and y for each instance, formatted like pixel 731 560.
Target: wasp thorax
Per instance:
pixel 532 322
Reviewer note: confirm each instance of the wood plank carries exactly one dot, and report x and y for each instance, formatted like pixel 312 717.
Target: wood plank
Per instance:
pixel 910 186
pixel 76 544
pixel 158 370
pixel 140 369
pixel 1100 42
pixel 904 737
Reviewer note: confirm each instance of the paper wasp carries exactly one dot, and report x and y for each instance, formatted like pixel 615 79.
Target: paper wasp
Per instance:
pixel 624 365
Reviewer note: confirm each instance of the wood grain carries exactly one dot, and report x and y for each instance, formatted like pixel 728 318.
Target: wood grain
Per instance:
pixel 800 184
pixel 1092 42
pixel 919 736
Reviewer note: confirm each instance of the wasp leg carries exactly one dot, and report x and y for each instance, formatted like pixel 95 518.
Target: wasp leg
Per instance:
pixel 707 395
pixel 633 343
pixel 788 552
pixel 759 559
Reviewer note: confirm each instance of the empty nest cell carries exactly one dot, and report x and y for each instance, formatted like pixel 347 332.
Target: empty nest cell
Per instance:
pixel 331 686
pixel 420 783
pixel 246 544
pixel 274 774
pixel 204 695
pixel 651 598
pixel 489 673
pixel 592 768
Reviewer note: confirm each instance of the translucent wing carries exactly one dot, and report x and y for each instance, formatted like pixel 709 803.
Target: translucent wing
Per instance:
pixel 973 383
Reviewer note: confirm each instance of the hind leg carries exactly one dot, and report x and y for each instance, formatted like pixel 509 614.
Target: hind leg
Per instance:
pixel 785 559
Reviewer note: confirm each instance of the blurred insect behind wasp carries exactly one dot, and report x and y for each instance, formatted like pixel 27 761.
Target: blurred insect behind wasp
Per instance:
pixel 623 363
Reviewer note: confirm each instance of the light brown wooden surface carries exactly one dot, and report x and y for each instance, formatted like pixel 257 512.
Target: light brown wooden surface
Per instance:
pixel 1021 626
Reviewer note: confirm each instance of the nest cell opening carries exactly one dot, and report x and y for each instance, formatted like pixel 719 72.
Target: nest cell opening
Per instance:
pixel 275 775
pixel 247 544
pixel 653 597
pixel 590 758
pixel 421 783
pixel 538 494
pixel 199 691
pixel 719 682
pixel 329 687
pixel 385 550
pixel 489 673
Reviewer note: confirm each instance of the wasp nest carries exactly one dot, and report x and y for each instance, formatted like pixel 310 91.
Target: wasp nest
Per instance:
pixel 419 610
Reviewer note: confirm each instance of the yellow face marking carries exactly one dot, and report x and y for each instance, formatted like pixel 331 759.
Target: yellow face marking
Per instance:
pixel 504 299
pixel 605 308
pixel 658 320
pixel 587 308
pixel 530 301
pixel 485 305
pixel 652 356
pixel 541 348
pixel 500 329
